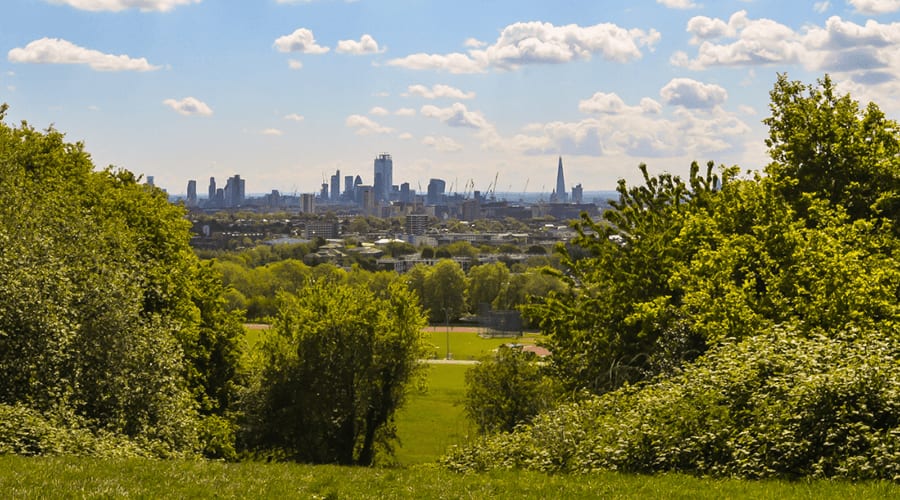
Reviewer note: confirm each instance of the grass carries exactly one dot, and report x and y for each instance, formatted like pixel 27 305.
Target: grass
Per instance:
pixel 433 420
pixel 465 344
pixel 70 477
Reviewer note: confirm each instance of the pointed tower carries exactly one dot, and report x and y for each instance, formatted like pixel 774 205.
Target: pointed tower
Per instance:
pixel 561 195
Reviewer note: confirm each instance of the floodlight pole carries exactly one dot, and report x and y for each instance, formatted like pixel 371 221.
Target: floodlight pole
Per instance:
pixel 447 319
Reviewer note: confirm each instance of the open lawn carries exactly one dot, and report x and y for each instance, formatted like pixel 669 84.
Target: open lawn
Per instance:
pixel 434 419
pixel 465 344
pixel 74 477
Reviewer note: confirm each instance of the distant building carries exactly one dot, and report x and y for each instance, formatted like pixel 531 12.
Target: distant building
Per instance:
pixel 348 188
pixel 191 200
pixel 436 189
pixel 150 180
pixel 234 192
pixel 323 193
pixel 561 196
pixel 336 186
pixel 416 224
pixel 212 190
pixel 578 194
pixel 383 177
pixel 308 203
pixel 322 229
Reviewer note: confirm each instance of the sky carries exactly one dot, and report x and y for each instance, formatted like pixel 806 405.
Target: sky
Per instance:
pixel 286 92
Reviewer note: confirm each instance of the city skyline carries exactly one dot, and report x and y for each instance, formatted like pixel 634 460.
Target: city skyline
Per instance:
pixel 287 92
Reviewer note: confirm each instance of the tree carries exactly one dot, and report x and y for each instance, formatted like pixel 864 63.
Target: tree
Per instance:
pixel 507 389
pixel 444 291
pixel 486 283
pixel 108 320
pixel 334 373
pixel 822 144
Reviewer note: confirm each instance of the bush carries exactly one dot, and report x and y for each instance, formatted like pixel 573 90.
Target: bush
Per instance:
pixel 507 389
pixel 774 405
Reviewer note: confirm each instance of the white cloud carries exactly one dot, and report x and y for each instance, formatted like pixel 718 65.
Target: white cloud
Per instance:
pixel 379 111
pixel 58 51
pixel 442 143
pixel 539 43
pixel 405 112
pixel 271 131
pixel 822 7
pixel 189 106
pixel 438 91
pixel 678 4
pixel 454 63
pixel 759 41
pixel 405 136
pixel 693 94
pixel 875 6
pixel 295 64
pixel 301 40
pixel 365 125
pixel 456 115
pixel 118 5
pixel 294 117
pixel 474 43
pixel 365 45
pixel 603 103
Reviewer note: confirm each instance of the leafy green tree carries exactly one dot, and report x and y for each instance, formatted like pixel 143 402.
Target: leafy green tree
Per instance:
pixel 507 389
pixel 822 144
pixel 335 371
pixel 444 291
pixel 108 320
pixel 486 283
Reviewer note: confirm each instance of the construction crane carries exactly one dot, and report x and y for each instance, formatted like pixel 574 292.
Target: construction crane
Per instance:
pixel 493 187
pixel 525 189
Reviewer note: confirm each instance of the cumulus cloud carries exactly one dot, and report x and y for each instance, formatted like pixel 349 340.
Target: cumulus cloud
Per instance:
pixel 454 63
pixel 822 7
pixel 117 5
pixel 294 117
pixel 438 91
pixel 405 112
pixel 875 6
pixel 678 4
pixel 602 103
pixel 837 47
pixel 441 143
pixel 693 94
pixel 539 43
pixel 474 43
pixel 301 40
pixel 59 51
pixel 189 106
pixel 271 131
pixel 379 111
pixel 365 45
pixel 456 115
pixel 366 126
pixel 295 64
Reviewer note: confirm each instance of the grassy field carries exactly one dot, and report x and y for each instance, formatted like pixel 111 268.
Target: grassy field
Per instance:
pixel 70 477
pixel 433 420
pixel 465 344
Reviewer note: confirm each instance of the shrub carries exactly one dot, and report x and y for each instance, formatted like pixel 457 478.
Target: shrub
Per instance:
pixel 772 405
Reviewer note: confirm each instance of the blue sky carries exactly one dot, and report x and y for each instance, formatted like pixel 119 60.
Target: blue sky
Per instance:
pixel 286 92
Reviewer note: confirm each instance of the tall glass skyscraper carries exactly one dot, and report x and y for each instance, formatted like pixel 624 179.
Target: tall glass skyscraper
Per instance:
pixel 384 177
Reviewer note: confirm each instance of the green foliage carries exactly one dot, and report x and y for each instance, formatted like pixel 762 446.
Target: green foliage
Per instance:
pixel 486 283
pixel 334 372
pixel 507 389
pixel 443 290
pixel 775 404
pixel 107 318
pixel 824 145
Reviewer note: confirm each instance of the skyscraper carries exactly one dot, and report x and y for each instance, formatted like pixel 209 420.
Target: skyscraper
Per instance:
pixel 191 200
pixel 561 195
pixel 336 186
pixel 384 176
pixel 435 191
pixel 212 190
